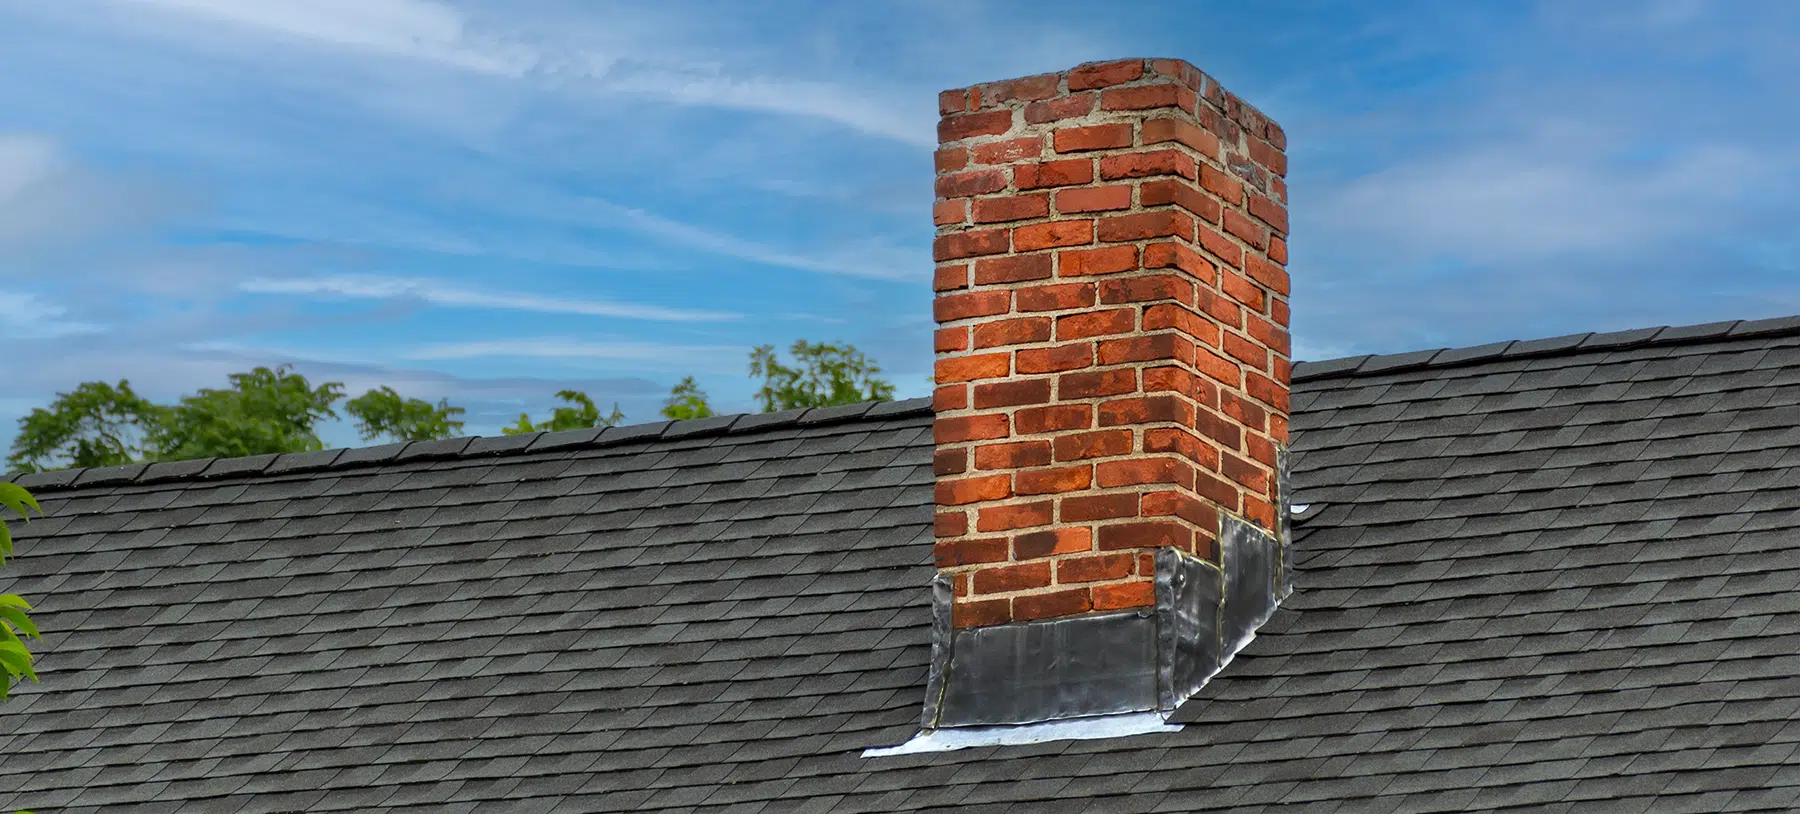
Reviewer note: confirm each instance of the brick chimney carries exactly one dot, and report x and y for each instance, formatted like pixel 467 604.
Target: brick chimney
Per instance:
pixel 1113 354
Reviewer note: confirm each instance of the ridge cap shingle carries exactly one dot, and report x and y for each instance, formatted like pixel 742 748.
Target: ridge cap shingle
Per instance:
pixel 62 480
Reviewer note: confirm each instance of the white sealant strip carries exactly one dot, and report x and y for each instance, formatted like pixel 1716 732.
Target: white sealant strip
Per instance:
pixel 1103 726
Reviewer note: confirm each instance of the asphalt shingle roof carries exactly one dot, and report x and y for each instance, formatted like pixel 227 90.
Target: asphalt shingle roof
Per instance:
pixel 1553 576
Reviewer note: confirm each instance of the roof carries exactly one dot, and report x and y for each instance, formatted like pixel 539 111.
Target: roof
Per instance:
pixel 1555 580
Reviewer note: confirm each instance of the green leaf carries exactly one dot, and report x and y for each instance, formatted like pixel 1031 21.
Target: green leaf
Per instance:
pixel 6 543
pixel 14 496
pixel 14 600
pixel 19 620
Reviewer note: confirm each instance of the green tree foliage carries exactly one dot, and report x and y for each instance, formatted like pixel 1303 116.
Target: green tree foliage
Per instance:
pixel 583 414
pixel 383 412
pixel 15 659
pixel 687 401
pixel 96 424
pixel 824 375
pixel 267 410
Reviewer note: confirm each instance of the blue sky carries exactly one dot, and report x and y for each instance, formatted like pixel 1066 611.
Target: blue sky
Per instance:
pixel 489 200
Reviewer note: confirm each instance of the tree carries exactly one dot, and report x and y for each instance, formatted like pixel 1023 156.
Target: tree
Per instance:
pixel 825 375
pixel 383 412
pixel 687 401
pixel 263 411
pixel 96 424
pixel 583 415
pixel 15 658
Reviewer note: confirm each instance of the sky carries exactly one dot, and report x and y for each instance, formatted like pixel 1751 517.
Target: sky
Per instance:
pixel 490 200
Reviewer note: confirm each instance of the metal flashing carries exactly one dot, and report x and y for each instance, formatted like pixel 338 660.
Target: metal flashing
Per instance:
pixel 1094 728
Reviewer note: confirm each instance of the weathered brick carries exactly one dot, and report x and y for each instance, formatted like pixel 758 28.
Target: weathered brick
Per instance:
pixel 1012 455
pixel 1094 199
pixel 1017 331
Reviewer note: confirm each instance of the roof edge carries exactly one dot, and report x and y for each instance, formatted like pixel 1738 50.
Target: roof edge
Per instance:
pixel 1572 344
pixel 472 446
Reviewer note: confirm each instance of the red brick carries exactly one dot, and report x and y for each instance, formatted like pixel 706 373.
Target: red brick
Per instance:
pixel 1265 154
pixel 1148 288
pixel 950 397
pixel 1097 444
pixel 1273 336
pixel 1012 207
pixel 1056 418
pixel 1012 394
pixel 1279 310
pixel 946 213
pixel 980 612
pixel 1171 315
pixel 951 524
pixel 1096 568
pixel 952 307
pixel 970 368
pixel 1165 129
pixel 1246 351
pixel 1008 578
pixel 1058 297
pixel 1267 391
pixel 1051 605
pixel 1183 443
pixel 1246 230
pixel 1165 191
pixel 1147 97
pixel 1123 595
pixel 946 340
pixel 1218 183
pixel 1182 505
pixel 1084 508
pixel 1146 165
pixel 1278 428
pixel 1227 312
pixel 1146 410
pixel 973 182
pixel 1063 107
pixel 952 461
pixel 1139 471
pixel 1016 268
pixel 1008 151
pixel 1053 481
pixel 1221 247
pixel 959 245
pixel 969 551
pixel 1093 137
pixel 1244 411
pixel 1176 255
pixel 953 101
pixel 1013 455
pixel 1089 324
pixel 1029 88
pixel 1159 347
pixel 1096 384
pixel 1061 173
pixel 1224 493
pixel 1106 74
pixel 1273 277
pixel 1094 199
pixel 953 430
pixel 1054 359
pixel 1146 225
pixel 1146 534
pixel 1053 234
pixel 1227 434
pixel 1261 450
pixel 1010 332
pixel 1106 260
pixel 1242 290
pixel 951 277
pixel 1277 247
pixel 950 159
pixel 1017 516
pixel 1217 368
pixel 1271 213
pixel 1247 474
pixel 1039 544
pixel 968 125
pixel 1260 511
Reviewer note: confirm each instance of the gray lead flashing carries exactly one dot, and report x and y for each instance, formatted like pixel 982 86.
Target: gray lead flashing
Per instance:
pixel 1152 660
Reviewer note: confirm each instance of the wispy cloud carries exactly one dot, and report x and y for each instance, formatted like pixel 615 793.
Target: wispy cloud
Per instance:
pixel 871 259
pixel 447 295
pixel 46 196
pixel 24 315
pixel 574 349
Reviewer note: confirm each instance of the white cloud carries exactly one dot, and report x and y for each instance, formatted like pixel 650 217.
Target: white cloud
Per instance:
pixel 871 259
pixel 46 197
pixel 434 292
pixel 24 315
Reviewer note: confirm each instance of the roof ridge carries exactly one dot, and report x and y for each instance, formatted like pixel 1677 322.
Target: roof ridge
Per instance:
pixel 469 446
pixel 1571 344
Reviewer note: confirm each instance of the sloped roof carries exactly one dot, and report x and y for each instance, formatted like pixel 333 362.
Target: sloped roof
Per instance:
pixel 1562 578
